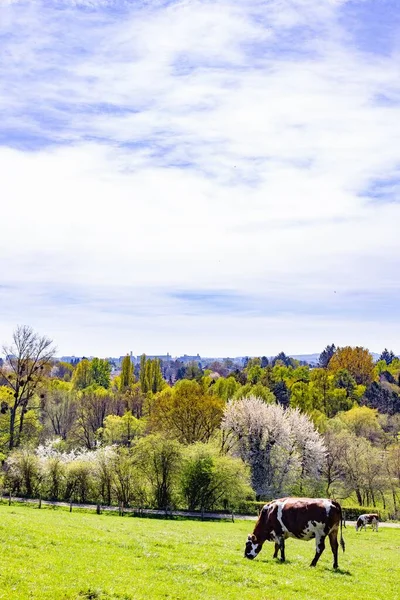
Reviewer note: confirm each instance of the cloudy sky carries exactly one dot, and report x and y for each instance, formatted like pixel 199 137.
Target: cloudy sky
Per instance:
pixel 212 176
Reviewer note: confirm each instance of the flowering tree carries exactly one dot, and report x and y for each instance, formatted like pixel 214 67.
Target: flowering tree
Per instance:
pixel 279 445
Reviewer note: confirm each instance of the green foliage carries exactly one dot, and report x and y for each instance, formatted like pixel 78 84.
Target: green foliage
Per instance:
pixel 122 430
pixel 225 388
pixel 83 376
pixel 150 377
pixel 159 460
pixel 101 370
pixel 127 377
pixel 92 372
pixel 193 371
pixel 79 481
pixel 258 390
pixel 186 412
pixel 210 481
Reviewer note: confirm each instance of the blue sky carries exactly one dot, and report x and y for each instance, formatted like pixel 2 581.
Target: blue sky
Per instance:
pixel 200 176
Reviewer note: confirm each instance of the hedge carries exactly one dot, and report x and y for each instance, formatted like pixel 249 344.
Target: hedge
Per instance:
pixel 350 512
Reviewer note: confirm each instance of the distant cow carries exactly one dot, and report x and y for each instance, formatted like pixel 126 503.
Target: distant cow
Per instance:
pixel 367 519
pixel 302 518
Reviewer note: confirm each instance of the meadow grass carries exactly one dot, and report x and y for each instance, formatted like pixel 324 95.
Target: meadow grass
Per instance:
pixel 51 554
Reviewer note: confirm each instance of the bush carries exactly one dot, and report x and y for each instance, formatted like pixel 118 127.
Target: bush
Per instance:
pixel 251 507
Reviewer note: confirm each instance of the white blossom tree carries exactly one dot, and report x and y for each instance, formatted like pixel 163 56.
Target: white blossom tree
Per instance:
pixel 279 445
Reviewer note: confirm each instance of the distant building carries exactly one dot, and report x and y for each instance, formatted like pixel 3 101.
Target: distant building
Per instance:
pixel 187 359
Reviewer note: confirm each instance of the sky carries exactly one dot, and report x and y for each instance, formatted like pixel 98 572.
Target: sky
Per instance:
pixel 196 176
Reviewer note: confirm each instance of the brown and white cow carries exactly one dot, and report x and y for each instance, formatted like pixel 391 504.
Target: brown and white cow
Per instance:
pixel 301 518
pixel 368 519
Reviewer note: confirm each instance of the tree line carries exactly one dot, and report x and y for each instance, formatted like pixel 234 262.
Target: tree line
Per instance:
pixel 212 438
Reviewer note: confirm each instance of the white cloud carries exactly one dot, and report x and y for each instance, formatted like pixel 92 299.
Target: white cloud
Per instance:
pixel 196 146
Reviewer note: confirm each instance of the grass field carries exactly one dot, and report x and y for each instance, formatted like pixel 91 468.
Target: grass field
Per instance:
pixel 50 554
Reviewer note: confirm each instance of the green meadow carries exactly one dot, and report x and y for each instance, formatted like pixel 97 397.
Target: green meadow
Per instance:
pixel 51 554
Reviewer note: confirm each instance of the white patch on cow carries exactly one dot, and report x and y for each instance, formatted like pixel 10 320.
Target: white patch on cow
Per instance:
pixel 253 551
pixel 313 529
pixel 328 506
pixel 279 515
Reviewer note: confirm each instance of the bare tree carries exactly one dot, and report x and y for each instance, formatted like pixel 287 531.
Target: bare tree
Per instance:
pixel 23 369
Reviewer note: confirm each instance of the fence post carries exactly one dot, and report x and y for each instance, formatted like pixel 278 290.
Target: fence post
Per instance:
pixel 98 509
pixel 233 517
pixel 9 499
pixel 70 505
pixel 40 501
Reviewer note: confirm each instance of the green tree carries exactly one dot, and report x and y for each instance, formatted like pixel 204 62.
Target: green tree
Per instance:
pixel 83 375
pixel 344 380
pixel 258 390
pixel 363 422
pixel 150 377
pixel 159 460
pixel 193 371
pixel 326 355
pixel 225 388
pixel 127 482
pixel 187 412
pixel 127 376
pixel 26 363
pixel 122 430
pixel 211 481
pixel 101 372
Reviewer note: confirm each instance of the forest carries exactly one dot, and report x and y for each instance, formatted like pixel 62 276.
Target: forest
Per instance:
pixel 223 437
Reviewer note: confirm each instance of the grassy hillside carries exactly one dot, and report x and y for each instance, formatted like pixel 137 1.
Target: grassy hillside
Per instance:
pixel 54 555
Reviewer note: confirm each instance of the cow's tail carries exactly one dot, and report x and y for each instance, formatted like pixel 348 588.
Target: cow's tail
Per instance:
pixel 342 522
pixel 341 528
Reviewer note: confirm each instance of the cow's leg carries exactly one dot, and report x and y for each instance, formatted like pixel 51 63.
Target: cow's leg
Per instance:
pixel 334 545
pixel 276 550
pixel 319 548
pixel 282 548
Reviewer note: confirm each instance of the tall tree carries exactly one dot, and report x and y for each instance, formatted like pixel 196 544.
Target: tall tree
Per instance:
pixel 150 377
pixel 326 356
pixel 23 369
pixel 387 356
pixel 127 377
pixel 101 371
pixel 83 375
pixel 159 459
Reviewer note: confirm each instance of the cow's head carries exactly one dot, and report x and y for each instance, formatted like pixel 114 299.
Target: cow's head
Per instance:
pixel 253 547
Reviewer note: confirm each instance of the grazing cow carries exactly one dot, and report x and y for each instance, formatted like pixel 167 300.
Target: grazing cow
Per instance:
pixel 302 518
pixel 368 519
